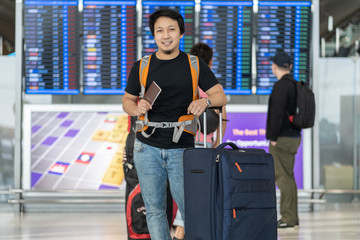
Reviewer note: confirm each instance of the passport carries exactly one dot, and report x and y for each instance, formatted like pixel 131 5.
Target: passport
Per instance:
pixel 152 93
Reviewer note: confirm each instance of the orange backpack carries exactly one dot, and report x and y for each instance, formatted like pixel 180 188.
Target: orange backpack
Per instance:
pixel 187 123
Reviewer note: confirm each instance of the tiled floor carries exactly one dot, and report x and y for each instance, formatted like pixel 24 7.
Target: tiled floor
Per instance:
pixel 328 221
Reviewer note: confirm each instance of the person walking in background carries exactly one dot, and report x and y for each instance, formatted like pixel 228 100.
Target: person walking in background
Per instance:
pixel 204 52
pixel 157 157
pixel 284 138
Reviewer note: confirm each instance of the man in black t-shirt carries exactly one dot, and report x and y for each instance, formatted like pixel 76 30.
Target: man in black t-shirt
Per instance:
pixel 284 138
pixel 157 158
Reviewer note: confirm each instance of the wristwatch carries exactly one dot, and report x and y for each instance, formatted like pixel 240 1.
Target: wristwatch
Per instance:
pixel 208 102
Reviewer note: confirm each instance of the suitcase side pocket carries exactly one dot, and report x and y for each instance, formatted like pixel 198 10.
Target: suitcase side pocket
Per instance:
pixel 198 186
pixel 251 165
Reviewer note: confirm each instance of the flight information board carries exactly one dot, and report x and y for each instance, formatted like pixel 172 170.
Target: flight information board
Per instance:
pixel 109 41
pixel 185 8
pixel 51 48
pixel 226 27
pixel 283 26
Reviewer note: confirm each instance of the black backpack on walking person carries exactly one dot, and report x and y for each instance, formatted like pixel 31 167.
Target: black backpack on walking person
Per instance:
pixel 304 115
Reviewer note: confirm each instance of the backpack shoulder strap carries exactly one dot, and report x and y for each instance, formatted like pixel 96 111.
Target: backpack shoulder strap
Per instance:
pixel 295 83
pixel 194 68
pixel 143 73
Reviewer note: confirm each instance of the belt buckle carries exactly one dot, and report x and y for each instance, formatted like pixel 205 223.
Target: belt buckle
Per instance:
pixel 165 125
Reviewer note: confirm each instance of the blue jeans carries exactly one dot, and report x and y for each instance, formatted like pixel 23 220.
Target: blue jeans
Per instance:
pixel 154 166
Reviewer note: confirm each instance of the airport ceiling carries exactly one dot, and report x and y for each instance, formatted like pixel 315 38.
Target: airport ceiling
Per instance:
pixel 7 25
pixel 342 11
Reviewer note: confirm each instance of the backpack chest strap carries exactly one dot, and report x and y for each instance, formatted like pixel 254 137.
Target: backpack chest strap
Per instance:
pixel 164 124
pixel 179 127
pixel 169 124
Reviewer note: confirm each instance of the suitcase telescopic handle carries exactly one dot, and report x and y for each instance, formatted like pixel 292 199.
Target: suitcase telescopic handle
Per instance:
pixel 217 108
pixel 233 145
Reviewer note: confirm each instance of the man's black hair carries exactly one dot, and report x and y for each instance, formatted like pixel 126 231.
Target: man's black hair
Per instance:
pixel 203 51
pixel 166 12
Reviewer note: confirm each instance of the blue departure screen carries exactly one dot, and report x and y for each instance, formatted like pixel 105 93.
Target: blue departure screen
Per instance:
pixel 226 27
pixel 51 47
pixel 283 26
pixel 185 8
pixel 109 41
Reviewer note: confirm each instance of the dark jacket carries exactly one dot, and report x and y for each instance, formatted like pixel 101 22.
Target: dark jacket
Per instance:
pixel 282 103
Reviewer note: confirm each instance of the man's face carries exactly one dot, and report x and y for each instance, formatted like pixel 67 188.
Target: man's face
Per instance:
pixel 167 35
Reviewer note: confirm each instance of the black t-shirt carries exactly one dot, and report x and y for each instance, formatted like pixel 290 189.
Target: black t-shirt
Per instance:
pixel 174 78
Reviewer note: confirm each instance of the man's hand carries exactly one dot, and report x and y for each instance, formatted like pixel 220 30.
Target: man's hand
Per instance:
pixel 142 107
pixel 134 108
pixel 197 107
pixel 273 143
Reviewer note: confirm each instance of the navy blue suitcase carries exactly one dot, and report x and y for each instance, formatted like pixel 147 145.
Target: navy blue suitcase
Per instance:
pixel 229 194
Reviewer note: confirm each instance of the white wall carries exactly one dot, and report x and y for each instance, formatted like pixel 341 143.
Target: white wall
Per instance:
pixel 7 91
pixel 336 79
pixel 338 116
